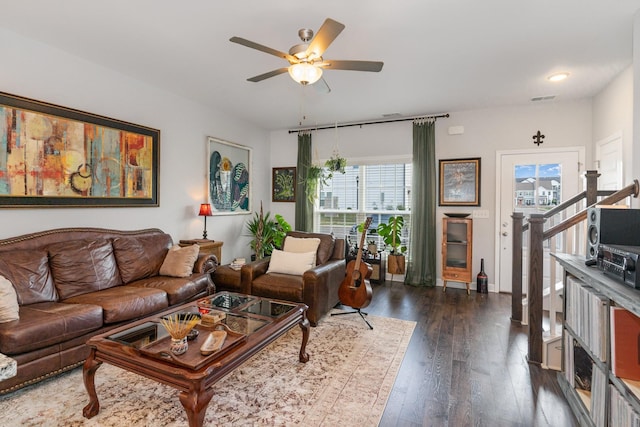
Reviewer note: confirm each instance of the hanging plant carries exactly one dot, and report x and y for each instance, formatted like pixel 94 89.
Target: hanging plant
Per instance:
pixel 318 175
pixel 336 164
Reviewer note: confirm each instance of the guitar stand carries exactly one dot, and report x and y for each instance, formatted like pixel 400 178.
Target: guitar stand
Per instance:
pixel 357 310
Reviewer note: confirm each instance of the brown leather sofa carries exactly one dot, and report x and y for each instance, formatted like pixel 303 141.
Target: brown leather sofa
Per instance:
pixel 317 287
pixel 74 283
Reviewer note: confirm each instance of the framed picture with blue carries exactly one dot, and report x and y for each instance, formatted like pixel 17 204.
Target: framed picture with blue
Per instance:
pixel 460 182
pixel 229 179
pixel 283 184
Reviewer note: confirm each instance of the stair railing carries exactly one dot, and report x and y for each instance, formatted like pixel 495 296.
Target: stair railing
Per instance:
pixel 537 237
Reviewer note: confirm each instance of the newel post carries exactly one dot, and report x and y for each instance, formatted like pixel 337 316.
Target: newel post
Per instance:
pixel 534 294
pixel 592 187
pixel 516 267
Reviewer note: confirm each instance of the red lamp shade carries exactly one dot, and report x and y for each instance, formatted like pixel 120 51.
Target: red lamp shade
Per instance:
pixel 205 210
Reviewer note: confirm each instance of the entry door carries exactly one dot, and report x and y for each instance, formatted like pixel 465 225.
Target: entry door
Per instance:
pixel 530 182
pixel 609 162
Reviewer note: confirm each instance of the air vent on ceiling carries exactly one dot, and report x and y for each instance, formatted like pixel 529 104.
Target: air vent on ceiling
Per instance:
pixel 391 115
pixel 543 98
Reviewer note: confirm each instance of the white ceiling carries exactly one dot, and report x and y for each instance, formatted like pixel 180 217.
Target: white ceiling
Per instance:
pixel 439 55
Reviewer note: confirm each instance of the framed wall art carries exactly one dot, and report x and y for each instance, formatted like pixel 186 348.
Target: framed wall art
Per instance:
pixel 53 156
pixel 283 184
pixel 460 182
pixel 229 177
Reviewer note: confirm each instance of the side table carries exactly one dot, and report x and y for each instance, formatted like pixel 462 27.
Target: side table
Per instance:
pixel 207 246
pixel 228 279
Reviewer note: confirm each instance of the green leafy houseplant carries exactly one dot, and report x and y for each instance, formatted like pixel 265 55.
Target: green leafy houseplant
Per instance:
pixel 268 233
pixel 318 175
pixel 391 234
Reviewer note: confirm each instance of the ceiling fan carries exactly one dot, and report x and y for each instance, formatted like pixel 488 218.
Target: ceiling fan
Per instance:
pixel 305 59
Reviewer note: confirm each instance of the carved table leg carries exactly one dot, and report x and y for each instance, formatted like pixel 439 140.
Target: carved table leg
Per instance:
pixel 88 376
pixel 195 403
pixel 304 325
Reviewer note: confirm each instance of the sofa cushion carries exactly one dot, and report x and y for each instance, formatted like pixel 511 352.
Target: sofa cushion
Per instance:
pixel 29 271
pixel 325 249
pixel 82 266
pixel 124 302
pixel 139 257
pixel 8 301
pixel 178 289
pixel 179 261
pixel 48 323
pixel 291 262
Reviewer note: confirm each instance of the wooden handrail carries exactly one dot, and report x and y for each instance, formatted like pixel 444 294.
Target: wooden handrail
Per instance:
pixel 629 190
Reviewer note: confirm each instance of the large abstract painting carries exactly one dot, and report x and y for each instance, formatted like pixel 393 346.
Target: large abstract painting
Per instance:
pixel 58 156
pixel 229 174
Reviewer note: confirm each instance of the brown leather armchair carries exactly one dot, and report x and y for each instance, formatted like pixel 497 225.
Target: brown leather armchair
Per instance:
pixel 317 287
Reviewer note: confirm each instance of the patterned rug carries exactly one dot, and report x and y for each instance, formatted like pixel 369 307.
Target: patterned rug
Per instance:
pixel 349 377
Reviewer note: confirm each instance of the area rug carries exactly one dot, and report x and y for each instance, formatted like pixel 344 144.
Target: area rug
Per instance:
pixel 347 380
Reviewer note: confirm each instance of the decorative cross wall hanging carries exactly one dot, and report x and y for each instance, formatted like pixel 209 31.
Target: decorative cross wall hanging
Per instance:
pixel 538 138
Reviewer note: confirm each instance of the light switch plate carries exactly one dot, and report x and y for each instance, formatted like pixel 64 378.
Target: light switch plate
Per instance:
pixel 481 213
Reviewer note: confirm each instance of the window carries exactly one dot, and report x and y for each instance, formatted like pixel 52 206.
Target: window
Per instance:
pixel 379 191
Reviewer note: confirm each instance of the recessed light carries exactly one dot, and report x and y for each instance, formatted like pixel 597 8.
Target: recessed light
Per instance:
pixel 557 77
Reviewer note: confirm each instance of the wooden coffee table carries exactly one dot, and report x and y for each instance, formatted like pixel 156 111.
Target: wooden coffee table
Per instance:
pixel 143 348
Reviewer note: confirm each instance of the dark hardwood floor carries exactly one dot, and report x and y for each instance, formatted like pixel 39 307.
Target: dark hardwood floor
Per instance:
pixel 466 363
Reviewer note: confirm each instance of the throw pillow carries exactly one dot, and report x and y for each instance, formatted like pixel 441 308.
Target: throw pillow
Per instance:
pixel 291 262
pixel 301 245
pixel 179 261
pixel 8 301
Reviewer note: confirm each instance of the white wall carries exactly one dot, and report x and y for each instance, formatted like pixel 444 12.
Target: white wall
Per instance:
pixel 38 71
pixel 613 114
pixel 485 132
pixel 635 152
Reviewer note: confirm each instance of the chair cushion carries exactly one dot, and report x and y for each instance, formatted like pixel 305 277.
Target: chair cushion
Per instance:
pixel 139 257
pixel 301 245
pixel 9 309
pixel 278 286
pixel 325 249
pixel 291 262
pixel 82 266
pixel 179 261
pixel 29 271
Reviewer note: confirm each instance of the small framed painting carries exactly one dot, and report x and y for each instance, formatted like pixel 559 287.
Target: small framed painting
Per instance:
pixel 229 175
pixel 284 184
pixel 460 182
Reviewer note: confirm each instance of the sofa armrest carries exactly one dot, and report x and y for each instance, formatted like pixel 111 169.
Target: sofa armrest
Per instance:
pixel 205 263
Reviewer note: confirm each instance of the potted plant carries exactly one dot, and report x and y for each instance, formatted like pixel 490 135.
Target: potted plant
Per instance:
pixel 391 234
pixel 268 233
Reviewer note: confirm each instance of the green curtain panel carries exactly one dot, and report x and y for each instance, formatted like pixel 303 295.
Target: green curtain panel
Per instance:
pixel 304 208
pixel 421 266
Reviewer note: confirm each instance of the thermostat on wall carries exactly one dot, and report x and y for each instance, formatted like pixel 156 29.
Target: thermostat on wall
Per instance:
pixel 456 130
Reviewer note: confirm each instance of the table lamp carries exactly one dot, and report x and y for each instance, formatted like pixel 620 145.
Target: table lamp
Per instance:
pixel 205 211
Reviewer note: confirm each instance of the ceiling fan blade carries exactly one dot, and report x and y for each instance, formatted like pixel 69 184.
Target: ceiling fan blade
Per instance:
pixel 322 86
pixel 324 37
pixel 373 66
pixel 262 48
pixel 267 75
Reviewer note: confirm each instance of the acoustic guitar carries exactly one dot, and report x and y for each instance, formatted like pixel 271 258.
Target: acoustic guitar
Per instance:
pixel 355 290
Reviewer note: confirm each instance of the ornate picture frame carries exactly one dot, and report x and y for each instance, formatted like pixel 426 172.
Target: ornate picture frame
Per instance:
pixel 229 177
pixel 459 182
pixel 283 184
pixel 54 156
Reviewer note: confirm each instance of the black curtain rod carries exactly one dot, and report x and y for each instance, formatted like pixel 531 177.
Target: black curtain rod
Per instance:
pixel 440 116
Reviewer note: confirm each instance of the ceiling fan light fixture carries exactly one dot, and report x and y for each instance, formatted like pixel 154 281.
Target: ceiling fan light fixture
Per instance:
pixel 305 73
